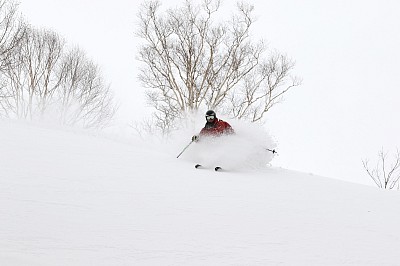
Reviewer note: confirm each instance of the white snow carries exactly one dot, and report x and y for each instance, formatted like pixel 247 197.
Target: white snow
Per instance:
pixel 69 197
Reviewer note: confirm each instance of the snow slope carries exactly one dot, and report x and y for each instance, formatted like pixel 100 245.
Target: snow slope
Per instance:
pixel 74 198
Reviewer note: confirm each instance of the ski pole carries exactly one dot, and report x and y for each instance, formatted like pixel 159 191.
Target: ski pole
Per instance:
pixel 273 151
pixel 184 149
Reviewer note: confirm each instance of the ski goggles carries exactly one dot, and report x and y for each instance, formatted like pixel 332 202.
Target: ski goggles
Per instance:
pixel 210 117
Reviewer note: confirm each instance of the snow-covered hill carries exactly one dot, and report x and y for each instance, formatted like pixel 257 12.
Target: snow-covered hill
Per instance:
pixel 74 198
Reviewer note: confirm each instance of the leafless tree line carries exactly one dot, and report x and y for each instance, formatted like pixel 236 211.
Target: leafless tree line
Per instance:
pixel 11 31
pixel 192 60
pixel 41 76
pixel 386 173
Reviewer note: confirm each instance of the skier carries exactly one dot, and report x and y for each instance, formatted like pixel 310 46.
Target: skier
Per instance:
pixel 214 127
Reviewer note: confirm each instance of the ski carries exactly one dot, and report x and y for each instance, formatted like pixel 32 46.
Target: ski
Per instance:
pixel 217 168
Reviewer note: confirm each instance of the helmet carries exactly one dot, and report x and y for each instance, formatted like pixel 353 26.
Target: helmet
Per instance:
pixel 210 112
pixel 210 116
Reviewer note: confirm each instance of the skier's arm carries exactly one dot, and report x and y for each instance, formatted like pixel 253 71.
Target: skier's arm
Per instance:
pixel 196 138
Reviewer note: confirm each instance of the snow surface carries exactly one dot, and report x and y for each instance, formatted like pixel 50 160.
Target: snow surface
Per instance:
pixel 69 197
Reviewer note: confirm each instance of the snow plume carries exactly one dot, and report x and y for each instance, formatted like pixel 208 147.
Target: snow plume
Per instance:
pixel 247 148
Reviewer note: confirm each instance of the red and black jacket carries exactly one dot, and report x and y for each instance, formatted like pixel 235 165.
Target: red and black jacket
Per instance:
pixel 216 128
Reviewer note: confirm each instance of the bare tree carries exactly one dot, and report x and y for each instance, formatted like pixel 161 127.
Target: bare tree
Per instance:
pixel 190 60
pixel 33 79
pixel 85 98
pixel 12 31
pixel 51 80
pixel 384 175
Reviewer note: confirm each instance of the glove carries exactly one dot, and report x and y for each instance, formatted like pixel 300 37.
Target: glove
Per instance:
pixel 195 138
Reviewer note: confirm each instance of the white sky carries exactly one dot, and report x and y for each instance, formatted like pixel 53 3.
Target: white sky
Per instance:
pixel 346 52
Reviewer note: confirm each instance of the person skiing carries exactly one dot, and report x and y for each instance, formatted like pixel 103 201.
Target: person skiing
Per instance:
pixel 214 127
